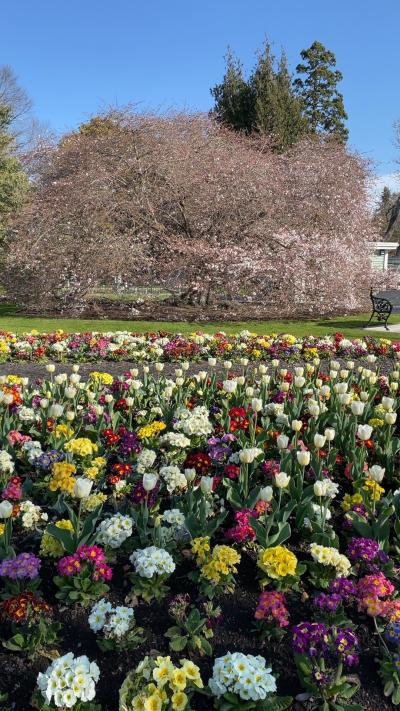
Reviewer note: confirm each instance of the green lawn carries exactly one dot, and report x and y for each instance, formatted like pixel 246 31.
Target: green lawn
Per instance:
pixel 350 326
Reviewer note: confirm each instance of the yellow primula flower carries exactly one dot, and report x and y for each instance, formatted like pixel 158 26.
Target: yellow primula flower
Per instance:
pixel 150 430
pixel 179 701
pixel 277 562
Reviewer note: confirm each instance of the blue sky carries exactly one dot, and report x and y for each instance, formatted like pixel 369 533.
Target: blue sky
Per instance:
pixel 74 56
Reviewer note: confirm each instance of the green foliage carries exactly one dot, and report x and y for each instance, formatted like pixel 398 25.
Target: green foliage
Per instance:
pixel 383 213
pixel 322 102
pixel 277 110
pixel 33 638
pixel 13 180
pixel 79 588
pixel 233 98
pixel 266 103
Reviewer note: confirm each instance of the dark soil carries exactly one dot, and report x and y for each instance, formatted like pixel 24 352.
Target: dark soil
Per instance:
pixel 233 633
pixel 38 370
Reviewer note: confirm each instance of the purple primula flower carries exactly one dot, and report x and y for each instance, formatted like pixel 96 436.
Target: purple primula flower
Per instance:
pixel 25 565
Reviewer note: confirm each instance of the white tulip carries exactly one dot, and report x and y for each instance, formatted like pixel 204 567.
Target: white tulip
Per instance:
pixel 387 403
pixel 70 393
pixel 364 432
pixel 299 381
pixel 6 509
pixel 274 362
pixel 159 367
pixel 247 456
pixel 206 484
pixel 390 418
pixel 44 403
pixel 82 487
pixel 229 386
pixel 190 475
pixel 249 391
pixel 56 410
pixel 296 425
pixel 329 434
pixel 256 404
pixel 299 371
pixel 282 480
pixel 303 458
pixel 266 493
pixel 319 488
pixel 212 362
pixel 149 481
pixel 319 440
pixel 75 368
pixel 50 368
pixel 376 473
pixel 282 441
pixel 227 364
pixel 357 407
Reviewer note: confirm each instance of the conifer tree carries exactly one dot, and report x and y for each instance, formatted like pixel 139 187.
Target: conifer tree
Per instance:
pixel 316 86
pixel 233 100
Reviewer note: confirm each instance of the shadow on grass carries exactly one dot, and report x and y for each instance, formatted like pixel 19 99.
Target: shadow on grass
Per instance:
pixel 355 323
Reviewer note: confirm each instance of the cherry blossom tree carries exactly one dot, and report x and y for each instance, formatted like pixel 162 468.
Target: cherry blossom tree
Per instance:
pixel 181 202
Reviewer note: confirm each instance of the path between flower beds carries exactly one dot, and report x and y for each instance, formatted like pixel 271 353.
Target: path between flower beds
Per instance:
pixel 38 370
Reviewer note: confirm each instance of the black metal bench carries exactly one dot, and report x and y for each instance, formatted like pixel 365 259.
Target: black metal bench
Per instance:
pixel 381 307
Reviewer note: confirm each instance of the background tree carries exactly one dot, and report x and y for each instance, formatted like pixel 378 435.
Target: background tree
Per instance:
pixel 383 213
pixel 266 103
pixel 277 110
pixel 322 102
pixel 233 101
pixel 13 180
pixel 182 202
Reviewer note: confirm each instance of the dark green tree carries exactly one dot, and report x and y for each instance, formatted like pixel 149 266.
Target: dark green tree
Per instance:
pixel 316 86
pixel 384 213
pixel 233 100
pixel 13 180
pixel 277 110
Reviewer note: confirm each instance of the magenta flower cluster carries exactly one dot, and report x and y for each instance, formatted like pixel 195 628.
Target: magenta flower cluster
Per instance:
pixel 72 564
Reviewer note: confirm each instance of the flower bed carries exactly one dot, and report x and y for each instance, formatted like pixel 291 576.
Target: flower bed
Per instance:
pixel 195 543
pixel 155 347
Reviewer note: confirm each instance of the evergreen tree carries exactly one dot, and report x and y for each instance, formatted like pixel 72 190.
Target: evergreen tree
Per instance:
pixel 13 180
pixel 233 100
pixel 322 102
pixel 277 109
pixel 383 214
